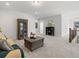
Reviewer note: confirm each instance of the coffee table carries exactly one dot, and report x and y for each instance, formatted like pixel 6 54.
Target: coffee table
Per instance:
pixel 33 44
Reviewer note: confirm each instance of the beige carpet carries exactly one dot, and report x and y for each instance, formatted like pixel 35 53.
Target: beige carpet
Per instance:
pixel 54 47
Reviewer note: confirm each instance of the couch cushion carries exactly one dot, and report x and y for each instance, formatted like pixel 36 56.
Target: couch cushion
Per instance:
pixel 5 46
pixel 14 54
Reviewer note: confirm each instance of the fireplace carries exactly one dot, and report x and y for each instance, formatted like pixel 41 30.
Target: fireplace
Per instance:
pixel 50 31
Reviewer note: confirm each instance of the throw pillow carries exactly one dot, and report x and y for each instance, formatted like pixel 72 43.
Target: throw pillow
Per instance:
pixel 4 45
pixel 2 36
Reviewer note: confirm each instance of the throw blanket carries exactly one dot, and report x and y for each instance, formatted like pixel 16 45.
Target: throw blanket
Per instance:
pixel 3 53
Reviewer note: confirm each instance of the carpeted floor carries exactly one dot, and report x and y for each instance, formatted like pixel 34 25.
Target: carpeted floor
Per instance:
pixel 54 47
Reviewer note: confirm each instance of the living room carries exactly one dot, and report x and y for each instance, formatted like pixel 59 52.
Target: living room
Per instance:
pixel 38 29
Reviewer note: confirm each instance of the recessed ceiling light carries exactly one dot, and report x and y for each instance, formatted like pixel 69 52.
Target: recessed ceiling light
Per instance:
pixel 7 3
pixel 36 3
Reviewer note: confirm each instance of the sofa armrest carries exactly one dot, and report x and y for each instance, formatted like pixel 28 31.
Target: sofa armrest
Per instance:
pixel 15 46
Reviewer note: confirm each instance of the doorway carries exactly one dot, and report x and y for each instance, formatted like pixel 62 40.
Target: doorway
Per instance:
pixel 41 27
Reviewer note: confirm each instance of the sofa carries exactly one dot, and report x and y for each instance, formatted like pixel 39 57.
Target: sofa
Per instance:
pixel 16 52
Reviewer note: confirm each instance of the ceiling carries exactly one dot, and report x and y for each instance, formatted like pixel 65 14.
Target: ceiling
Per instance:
pixel 46 8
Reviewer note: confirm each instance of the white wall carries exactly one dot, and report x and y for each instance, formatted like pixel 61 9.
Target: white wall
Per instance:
pixel 62 22
pixel 8 22
pixel 68 20
pixel 65 25
pixel 56 19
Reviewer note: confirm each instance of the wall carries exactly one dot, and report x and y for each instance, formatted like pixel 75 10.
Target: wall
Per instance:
pixel 8 22
pixel 65 25
pixel 68 20
pixel 56 19
pixel 62 22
